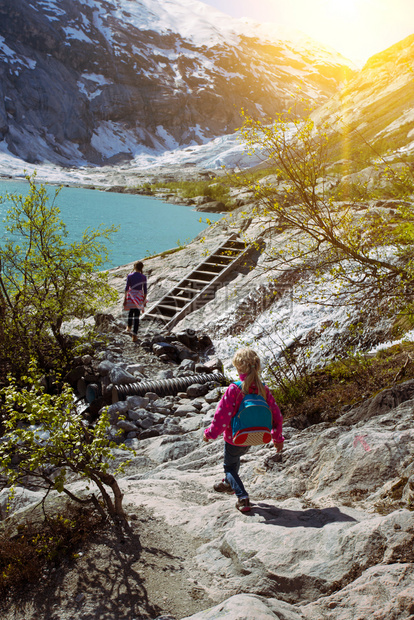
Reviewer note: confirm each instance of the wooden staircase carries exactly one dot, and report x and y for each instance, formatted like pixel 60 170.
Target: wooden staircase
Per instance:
pixel 199 286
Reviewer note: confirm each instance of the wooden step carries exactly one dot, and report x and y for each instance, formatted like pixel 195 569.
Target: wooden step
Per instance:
pixel 215 257
pixel 197 280
pixel 196 288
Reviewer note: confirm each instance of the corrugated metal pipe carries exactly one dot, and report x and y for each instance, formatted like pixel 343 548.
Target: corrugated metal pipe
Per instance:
pixel 164 387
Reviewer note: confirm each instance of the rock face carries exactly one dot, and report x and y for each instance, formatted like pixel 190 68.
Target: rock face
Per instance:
pixel 377 102
pixel 100 81
pixel 317 543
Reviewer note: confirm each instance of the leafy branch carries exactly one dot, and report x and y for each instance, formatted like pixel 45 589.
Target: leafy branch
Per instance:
pixel 46 441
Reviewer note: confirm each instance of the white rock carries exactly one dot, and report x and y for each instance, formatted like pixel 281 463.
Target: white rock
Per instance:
pixel 184 410
pixel 381 592
pixel 248 607
pixel 16 500
pixel 191 424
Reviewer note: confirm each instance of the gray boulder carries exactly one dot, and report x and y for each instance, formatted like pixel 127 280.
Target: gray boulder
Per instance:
pixel 105 367
pixel 137 414
pixel 171 448
pixel 187 364
pixel 197 389
pixel 117 409
pixel 137 402
pixel 150 419
pixel 214 206
pixel 213 396
pixel 184 410
pixel 381 403
pixel 136 368
pixel 126 425
pixel 190 424
pixel 12 501
pixel 166 349
pixel 119 376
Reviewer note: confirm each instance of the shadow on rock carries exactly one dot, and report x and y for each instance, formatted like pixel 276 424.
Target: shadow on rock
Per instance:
pixel 313 517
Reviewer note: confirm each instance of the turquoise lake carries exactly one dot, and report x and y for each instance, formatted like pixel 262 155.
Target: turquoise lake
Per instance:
pixel 146 225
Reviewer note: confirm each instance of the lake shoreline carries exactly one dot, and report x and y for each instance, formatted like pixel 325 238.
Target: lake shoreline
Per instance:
pixel 103 177
pixel 152 176
pixel 146 224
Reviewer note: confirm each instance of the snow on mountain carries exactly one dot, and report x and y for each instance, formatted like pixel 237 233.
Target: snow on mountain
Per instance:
pixel 104 81
pixel 226 151
pixel 204 25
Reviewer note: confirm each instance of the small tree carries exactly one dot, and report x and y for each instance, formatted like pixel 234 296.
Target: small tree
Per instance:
pixel 45 280
pixel 365 256
pixel 46 440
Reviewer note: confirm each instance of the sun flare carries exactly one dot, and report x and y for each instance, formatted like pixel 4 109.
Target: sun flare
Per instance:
pixel 349 25
pixel 344 9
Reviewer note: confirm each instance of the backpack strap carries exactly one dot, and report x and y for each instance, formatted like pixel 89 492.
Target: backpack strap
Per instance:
pixel 239 384
pixel 239 397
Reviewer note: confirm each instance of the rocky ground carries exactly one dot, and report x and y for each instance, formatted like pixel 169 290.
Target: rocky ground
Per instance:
pixel 330 534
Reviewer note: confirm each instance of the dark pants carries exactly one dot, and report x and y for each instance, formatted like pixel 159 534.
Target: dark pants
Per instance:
pixel 133 319
pixel 232 456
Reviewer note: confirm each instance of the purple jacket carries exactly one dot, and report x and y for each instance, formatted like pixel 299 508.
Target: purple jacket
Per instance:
pixel 137 281
pixel 227 408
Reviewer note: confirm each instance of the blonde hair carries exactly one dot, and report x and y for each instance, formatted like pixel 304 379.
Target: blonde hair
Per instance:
pixel 247 362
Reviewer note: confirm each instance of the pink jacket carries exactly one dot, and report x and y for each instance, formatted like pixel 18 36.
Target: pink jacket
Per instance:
pixel 227 408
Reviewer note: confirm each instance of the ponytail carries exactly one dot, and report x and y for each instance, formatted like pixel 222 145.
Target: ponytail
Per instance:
pixel 247 362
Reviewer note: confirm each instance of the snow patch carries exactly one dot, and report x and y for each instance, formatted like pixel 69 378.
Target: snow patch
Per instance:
pixel 97 78
pixel 51 7
pixel 90 83
pixel 10 56
pixel 166 138
pixel 6 52
pixel 79 35
pixel 112 138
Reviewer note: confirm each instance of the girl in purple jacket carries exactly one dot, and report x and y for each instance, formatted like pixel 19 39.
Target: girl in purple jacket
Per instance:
pixel 247 363
pixel 135 297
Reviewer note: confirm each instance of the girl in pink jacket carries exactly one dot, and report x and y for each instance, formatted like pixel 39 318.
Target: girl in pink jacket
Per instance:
pixel 247 364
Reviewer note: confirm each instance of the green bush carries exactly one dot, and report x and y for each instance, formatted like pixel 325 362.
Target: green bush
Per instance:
pixel 46 281
pixel 46 439
pixel 190 189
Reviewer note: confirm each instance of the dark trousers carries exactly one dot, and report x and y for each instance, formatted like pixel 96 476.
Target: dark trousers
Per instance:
pixel 133 319
pixel 232 456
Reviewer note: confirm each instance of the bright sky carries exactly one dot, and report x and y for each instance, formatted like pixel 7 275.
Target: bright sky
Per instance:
pixel 355 28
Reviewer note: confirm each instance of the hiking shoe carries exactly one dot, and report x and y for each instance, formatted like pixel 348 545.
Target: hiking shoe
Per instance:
pixel 243 504
pixel 223 487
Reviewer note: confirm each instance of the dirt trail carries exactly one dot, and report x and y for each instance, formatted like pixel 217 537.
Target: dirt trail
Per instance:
pixel 115 577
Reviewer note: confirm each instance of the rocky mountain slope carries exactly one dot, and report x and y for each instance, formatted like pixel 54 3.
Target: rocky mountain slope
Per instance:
pixel 102 80
pixel 376 105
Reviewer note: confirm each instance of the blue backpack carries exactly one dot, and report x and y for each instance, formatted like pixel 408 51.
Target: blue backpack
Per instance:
pixel 252 424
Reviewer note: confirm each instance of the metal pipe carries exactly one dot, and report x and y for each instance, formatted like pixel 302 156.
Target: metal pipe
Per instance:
pixel 164 387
